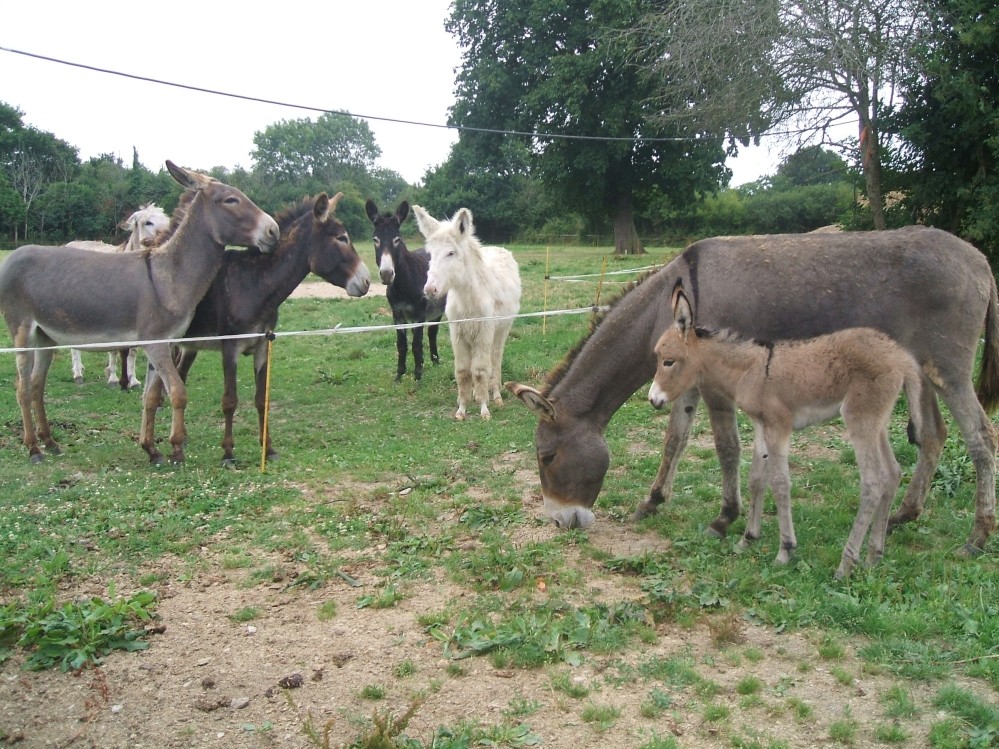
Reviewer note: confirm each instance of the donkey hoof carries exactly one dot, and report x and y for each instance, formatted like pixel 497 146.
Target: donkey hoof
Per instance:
pixel 970 550
pixel 643 511
pixel 229 463
pixel 418 375
pixel 36 458
pixel 713 532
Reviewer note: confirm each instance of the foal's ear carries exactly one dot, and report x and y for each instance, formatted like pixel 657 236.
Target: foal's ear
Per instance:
pixel 426 223
pixel 534 400
pixel 463 220
pixel 682 315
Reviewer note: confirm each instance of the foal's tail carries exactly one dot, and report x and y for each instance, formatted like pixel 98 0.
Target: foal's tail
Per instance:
pixel 988 375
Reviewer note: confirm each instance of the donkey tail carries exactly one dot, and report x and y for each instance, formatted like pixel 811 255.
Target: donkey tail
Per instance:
pixel 913 385
pixel 988 375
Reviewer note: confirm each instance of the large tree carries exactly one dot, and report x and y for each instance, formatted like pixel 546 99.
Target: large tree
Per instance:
pixel 547 68
pixel 801 68
pixel 31 160
pixel 949 124
pixel 332 149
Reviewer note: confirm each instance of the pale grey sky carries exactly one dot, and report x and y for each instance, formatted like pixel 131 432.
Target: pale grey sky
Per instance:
pixel 381 58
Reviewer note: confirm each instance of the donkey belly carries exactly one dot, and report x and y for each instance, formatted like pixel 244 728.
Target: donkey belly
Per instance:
pixel 815 413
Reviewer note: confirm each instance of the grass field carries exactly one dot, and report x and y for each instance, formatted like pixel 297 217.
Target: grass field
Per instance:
pixel 401 481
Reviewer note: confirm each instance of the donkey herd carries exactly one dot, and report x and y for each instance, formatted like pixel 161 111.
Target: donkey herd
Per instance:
pixel 792 329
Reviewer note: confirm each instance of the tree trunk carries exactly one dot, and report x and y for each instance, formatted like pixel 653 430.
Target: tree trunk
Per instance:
pixel 626 241
pixel 870 159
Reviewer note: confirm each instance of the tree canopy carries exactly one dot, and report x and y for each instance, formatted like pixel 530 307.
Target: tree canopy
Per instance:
pixel 548 68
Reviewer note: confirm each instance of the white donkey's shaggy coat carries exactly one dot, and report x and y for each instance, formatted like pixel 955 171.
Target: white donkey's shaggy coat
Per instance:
pixel 856 372
pixel 480 282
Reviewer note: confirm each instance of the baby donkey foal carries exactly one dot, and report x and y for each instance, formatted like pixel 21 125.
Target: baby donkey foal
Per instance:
pixel 782 387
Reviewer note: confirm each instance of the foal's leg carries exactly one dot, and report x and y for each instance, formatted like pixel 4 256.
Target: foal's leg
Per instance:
pixel 77 359
pixel 160 357
pixel 111 370
pixel 757 491
pixel 25 397
pixel 230 399
pixel 496 362
pixel 462 372
pixel 725 428
pixel 480 368
pixel 876 540
pixel 681 416
pixel 876 476
pixel 778 442
pixel 931 442
pixel 152 399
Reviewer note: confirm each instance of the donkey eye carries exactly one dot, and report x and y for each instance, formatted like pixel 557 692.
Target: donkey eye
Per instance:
pixel 375 240
pixel 546 459
pixel 669 362
pixel 343 239
pixel 397 241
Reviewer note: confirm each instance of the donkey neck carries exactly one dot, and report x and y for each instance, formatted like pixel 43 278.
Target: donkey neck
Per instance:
pixel 617 358
pixel 183 268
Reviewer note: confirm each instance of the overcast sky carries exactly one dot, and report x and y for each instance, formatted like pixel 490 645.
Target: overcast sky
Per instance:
pixel 380 58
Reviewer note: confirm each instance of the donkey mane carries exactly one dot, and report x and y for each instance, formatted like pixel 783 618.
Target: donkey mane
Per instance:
pixel 554 377
pixel 291 213
pixel 176 219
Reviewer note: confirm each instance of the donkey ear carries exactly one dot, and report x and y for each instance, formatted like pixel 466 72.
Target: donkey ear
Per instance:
pixel 535 401
pixel 371 209
pixel 401 212
pixel 190 180
pixel 334 201
pixel 463 220
pixel 426 223
pixel 321 208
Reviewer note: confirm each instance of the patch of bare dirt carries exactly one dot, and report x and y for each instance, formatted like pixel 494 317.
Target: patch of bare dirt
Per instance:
pixel 323 290
pixel 210 680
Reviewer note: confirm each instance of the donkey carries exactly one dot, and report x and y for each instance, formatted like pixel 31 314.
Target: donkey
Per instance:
pixel 146 227
pixel 480 282
pixel 248 290
pixel 783 387
pixel 927 289
pixel 404 274
pixel 54 296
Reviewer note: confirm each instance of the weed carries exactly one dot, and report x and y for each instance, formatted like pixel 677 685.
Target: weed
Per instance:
pixel 655 704
pixel 373 692
pixel 602 717
pixel 245 614
pixel 749 685
pixel 404 669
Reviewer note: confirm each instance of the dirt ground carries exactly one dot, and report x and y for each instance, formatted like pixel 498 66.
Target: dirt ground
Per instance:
pixel 209 680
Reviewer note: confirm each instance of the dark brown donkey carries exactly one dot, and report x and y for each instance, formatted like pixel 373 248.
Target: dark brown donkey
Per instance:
pixel 927 289
pixel 56 296
pixel 404 274
pixel 248 290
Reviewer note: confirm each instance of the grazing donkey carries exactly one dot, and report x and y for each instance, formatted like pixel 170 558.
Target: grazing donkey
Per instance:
pixel 54 296
pixel 404 274
pixel 783 387
pixel 247 292
pixel 480 282
pixel 929 290
pixel 146 227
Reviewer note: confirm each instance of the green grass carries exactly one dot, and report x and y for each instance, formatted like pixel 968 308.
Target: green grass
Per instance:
pixel 379 471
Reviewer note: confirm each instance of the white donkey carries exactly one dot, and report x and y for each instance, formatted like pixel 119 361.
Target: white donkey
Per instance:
pixel 480 282
pixel 146 227
pixel 782 387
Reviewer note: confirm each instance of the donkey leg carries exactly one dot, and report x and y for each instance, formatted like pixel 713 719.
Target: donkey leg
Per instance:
pixel 480 381
pixel 432 330
pixel 25 362
pixel 77 359
pixel 681 416
pixel 980 439
pixel 152 399
pixel 725 428
pixel 418 353
pixel 128 369
pixel 39 377
pixel 757 492
pixel 931 443
pixel 230 400
pixel 400 348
